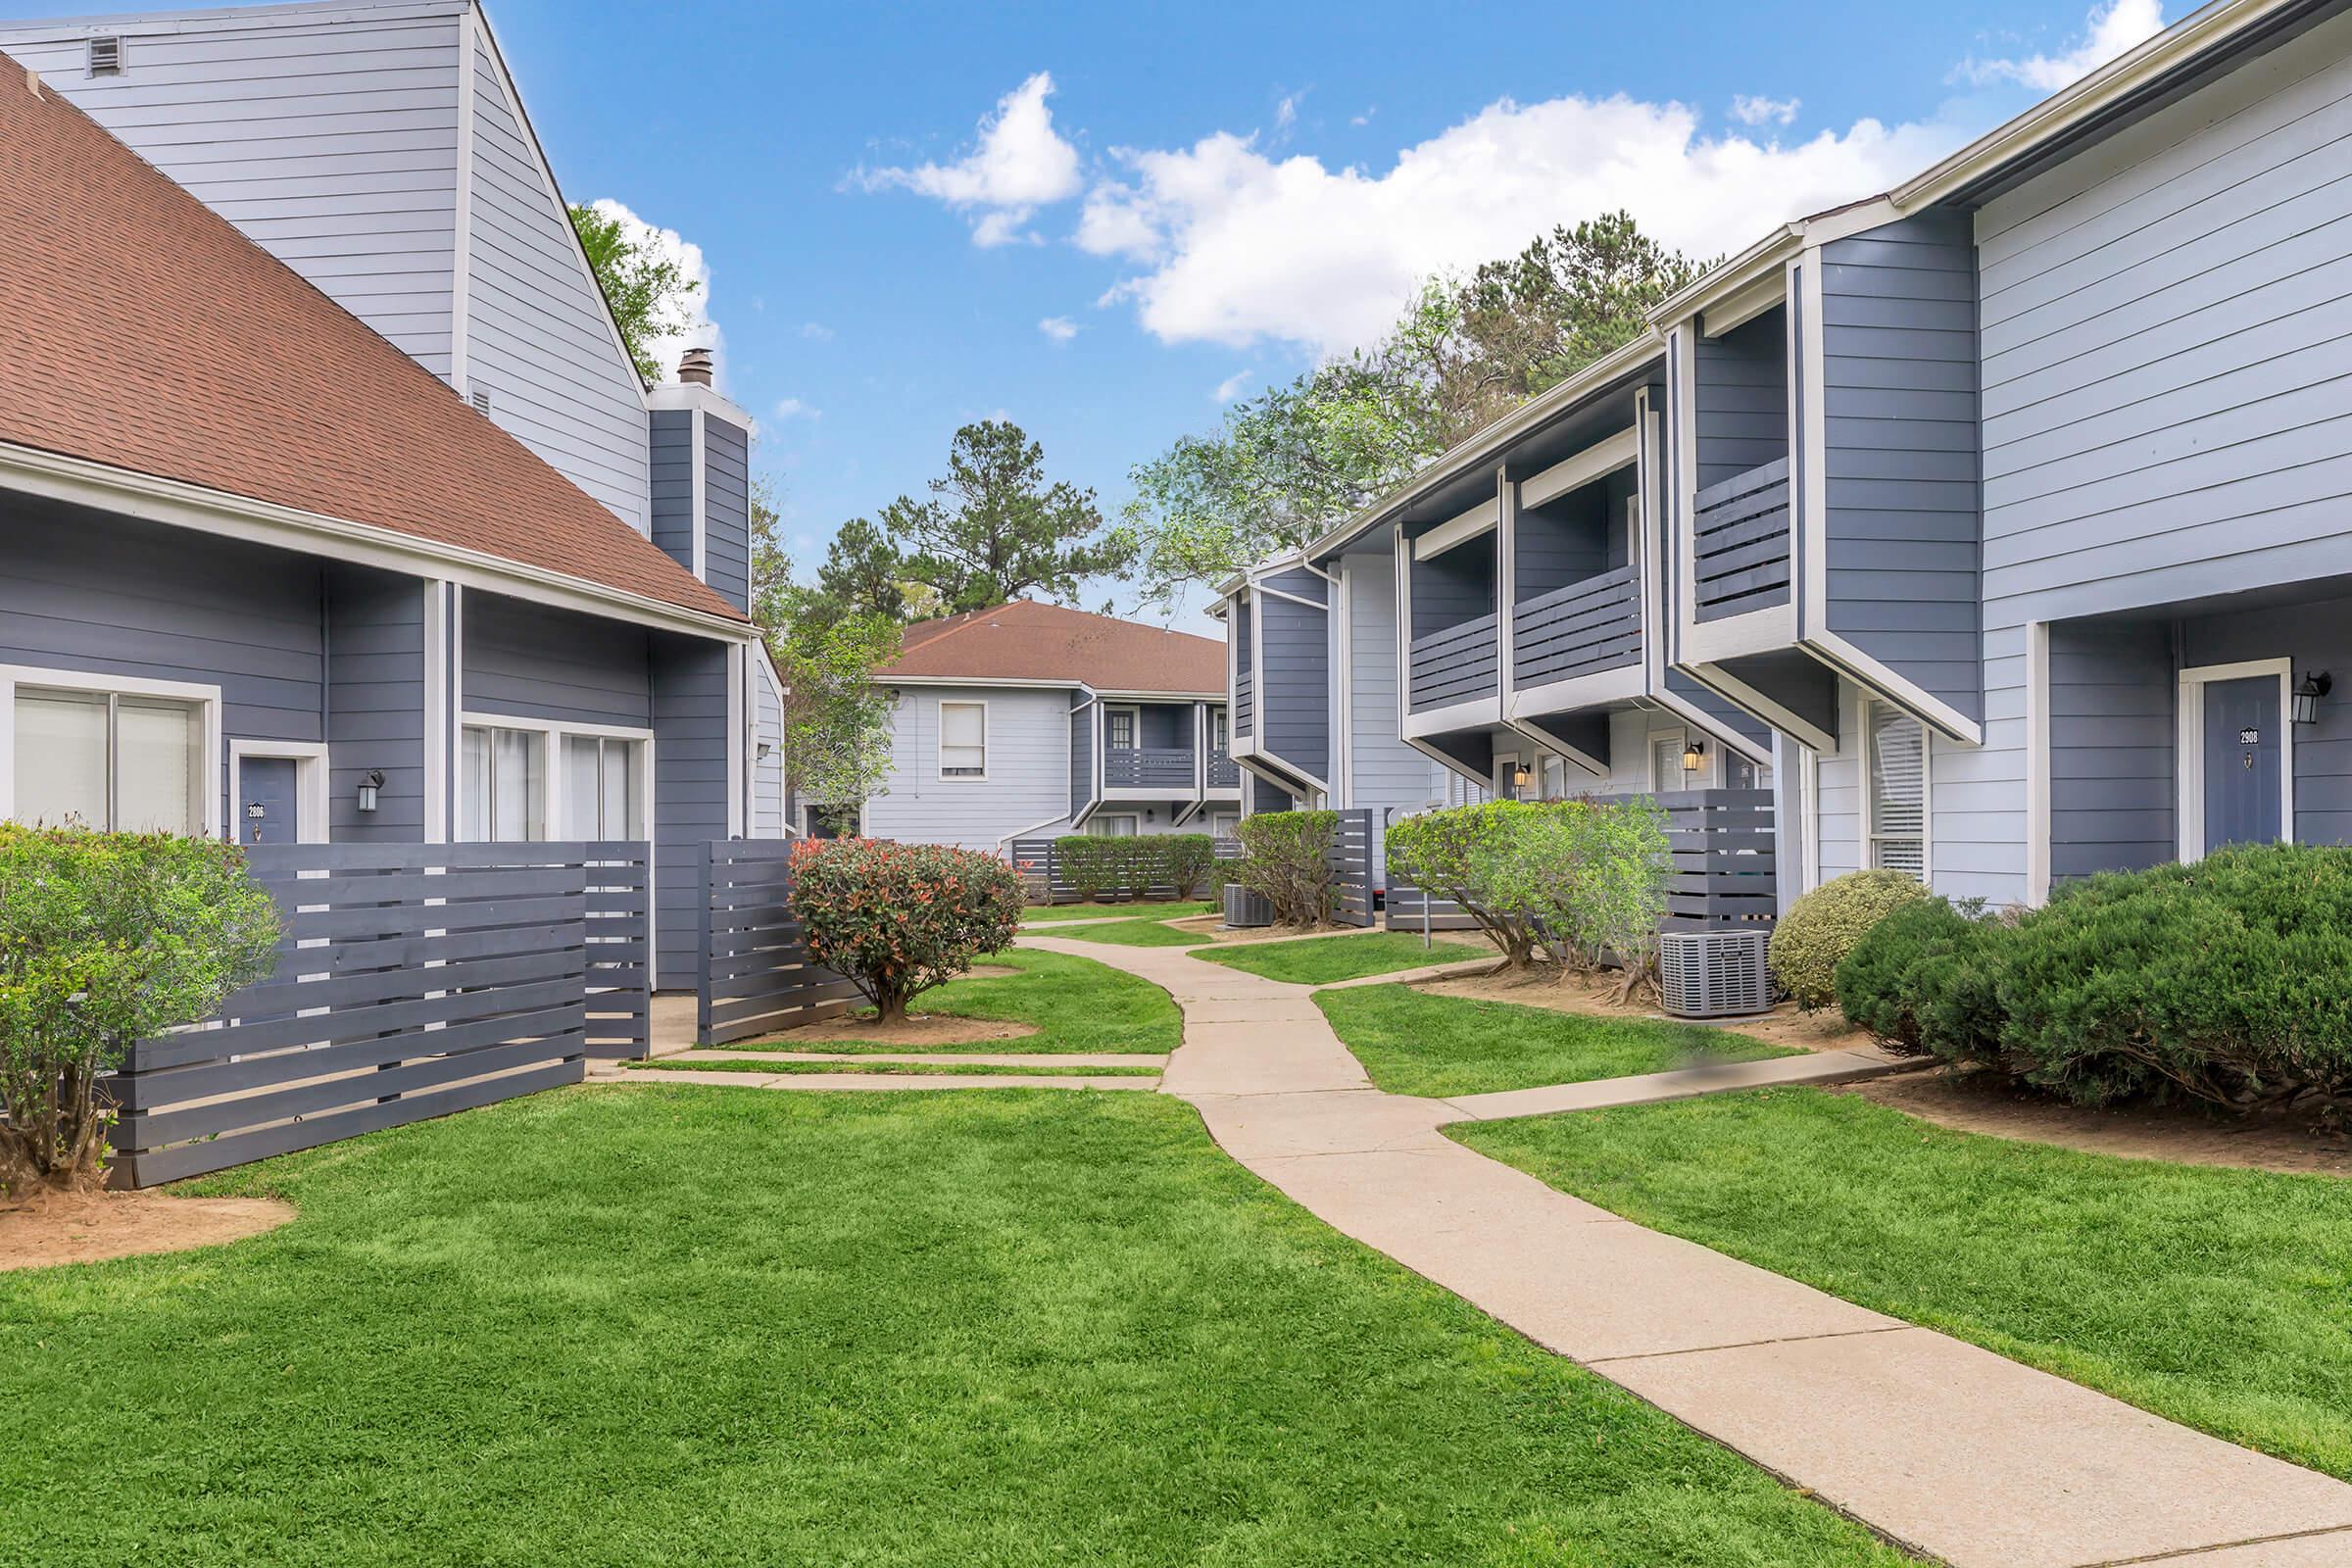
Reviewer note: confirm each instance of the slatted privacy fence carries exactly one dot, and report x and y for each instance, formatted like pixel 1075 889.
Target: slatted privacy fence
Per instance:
pixel 1039 866
pixel 412 981
pixel 1726 865
pixel 1409 909
pixel 1353 849
pixel 1457 664
pixel 1740 543
pixel 754 976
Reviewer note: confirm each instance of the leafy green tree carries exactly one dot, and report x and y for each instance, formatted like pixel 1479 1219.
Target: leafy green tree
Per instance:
pixel 647 290
pixel 864 572
pixel 993 529
pixel 1297 459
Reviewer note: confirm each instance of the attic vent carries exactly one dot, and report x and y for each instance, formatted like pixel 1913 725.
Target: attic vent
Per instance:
pixel 106 57
pixel 481 400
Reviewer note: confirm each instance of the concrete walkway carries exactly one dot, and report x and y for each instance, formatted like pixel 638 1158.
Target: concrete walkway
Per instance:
pixel 1951 1452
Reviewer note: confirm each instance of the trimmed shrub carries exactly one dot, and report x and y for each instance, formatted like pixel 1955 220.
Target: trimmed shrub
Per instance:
pixel 1821 928
pixel 1085 862
pixel 1286 861
pixel 1925 980
pixel 1589 880
pixel 2224 981
pixel 1191 857
pixel 1454 853
pixel 107 939
pixel 896 919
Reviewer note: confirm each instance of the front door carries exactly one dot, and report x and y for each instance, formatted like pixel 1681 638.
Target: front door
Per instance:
pixel 2242 758
pixel 267 813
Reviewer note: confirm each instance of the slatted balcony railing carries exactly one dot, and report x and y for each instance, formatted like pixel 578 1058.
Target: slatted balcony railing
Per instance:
pixel 1458 665
pixel 1582 629
pixel 1740 543
pixel 1245 702
pixel 1128 767
pixel 1224 773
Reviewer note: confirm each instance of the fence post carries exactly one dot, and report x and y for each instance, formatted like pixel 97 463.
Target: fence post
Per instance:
pixel 701 948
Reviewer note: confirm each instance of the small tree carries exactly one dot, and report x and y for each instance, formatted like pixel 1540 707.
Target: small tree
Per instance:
pixel 896 919
pixel 1588 880
pixel 1191 857
pixel 1288 863
pixel 1453 853
pixel 107 939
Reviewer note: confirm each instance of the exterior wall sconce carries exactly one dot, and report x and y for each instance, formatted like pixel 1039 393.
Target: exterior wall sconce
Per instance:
pixel 2307 697
pixel 1521 777
pixel 1695 757
pixel 370 782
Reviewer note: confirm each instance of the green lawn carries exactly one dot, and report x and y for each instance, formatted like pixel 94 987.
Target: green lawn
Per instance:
pixel 1134 933
pixel 1042 913
pixel 652 1324
pixel 1319 960
pixel 1076 1003
pixel 2222 1298
pixel 775 1067
pixel 1413 1043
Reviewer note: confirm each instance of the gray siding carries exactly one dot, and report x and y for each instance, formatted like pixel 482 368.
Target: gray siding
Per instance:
pixel 1383 772
pixel 1740 386
pixel 1294 688
pixel 92 594
pixel 727 508
pixel 689 703
pixel 1028 780
pixel 669 438
pixel 1739 720
pixel 1899 390
pixel 2167 332
pixel 768 775
pixel 375 705
pixel 532 662
pixel 2111 747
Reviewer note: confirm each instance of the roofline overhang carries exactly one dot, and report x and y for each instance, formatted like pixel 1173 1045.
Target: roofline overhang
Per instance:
pixel 883 678
pixel 152 498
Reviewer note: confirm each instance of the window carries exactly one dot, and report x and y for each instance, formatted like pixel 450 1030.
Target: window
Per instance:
pixel 1112 827
pixel 1666 763
pixel 503 793
pixel 1554 771
pixel 1895 767
pixel 963 740
pixel 1220 740
pixel 109 760
pixel 599 787
pixel 1224 826
pixel 1119 728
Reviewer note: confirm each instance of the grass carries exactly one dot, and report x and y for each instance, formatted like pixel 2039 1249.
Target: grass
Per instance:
pixel 1043 913
pixel 677 1326
pixel 1413 1043
pixel 775 1067
pixel 1135 934
pixel 1076 1003
pixel 2221 1299
pixel 1320 960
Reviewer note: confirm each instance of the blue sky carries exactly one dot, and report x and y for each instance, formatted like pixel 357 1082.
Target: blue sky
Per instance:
pixel 1209 195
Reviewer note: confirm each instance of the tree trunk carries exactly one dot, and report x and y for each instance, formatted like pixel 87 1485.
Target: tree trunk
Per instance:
pixel 889 1007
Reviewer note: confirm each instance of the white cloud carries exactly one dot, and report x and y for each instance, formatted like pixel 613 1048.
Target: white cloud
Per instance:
pixel 1286 113
pixel 1364 119
pixel 1231 387
pixel 1233 246
pixel 816 331
pixel 1750 109
pixel 2108 31
pixel 1060 328
pixel 699 331
pixel 794 409
pixel 1020 163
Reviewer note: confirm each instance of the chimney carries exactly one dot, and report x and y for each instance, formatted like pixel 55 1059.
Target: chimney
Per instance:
pixel 694 366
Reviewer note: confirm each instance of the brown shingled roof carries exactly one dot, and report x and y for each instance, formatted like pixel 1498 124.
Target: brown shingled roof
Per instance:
pixel 141 330
pixel 1028 641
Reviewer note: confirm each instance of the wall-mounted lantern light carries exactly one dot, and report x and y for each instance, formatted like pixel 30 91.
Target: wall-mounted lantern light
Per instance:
pixel 370 782
pixel 2308 694
pixel 1521 777
pixel 1695 755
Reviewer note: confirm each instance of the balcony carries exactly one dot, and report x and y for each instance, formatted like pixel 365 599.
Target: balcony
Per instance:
pixel 1457 664
pixel 1224 773
pixel 1148 767
pixel 1245 702
pixel 1740 544
pixel 1582 629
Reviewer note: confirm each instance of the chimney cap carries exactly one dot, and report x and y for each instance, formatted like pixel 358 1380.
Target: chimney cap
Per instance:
pixel 695 366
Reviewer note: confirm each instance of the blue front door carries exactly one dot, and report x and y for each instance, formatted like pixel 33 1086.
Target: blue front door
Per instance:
pixel 266 811
pixel 2242 758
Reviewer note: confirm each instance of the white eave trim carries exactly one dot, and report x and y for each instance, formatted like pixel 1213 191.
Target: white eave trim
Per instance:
pixel 1479 521
pixel 1602 458
pixel 151 498
pixel 694 396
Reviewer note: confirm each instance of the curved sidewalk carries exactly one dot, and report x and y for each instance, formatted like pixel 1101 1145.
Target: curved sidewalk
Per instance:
pixel 1950 1450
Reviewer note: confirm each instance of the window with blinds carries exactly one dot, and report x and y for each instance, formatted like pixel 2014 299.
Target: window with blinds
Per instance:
pixel 1897 788
pixel 963 740
pixel 105 761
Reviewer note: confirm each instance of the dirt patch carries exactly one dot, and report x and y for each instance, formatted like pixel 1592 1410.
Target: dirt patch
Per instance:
pixel 1543 988
pixel 919 1029
pixel 1987 1103
pixel 88 1227
pixel 990 972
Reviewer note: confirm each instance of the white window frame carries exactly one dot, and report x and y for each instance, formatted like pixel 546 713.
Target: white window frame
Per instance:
pixel 1135 817
pixel 551 782
pixel 1135 725
pixel 310 760
pixel 939 743
pixel 2189 746
pixel 207 699
pixel 1220 730
pixel 1868 845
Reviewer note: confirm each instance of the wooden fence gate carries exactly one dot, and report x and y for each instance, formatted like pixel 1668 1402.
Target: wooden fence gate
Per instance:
pixel 754 976
pixel 413 980
pixel 1353 847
